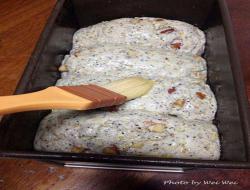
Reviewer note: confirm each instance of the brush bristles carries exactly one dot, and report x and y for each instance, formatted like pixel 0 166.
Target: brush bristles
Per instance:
pixel 132 87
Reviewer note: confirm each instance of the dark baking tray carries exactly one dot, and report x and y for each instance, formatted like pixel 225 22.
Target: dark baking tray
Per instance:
pixel 17 131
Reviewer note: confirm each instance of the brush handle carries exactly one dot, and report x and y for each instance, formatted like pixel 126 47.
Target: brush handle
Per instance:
pixel 49 98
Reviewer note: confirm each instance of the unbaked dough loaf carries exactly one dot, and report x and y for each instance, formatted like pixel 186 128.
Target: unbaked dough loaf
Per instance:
pixel 123 60
pixel 128 133
pixel 144 31
pixel 181 98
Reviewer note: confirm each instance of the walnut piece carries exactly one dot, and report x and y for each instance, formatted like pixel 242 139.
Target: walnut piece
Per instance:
pixel 201 95
pixel 167 31
pixel 112 150
pixel 137 145
pixel 179 103
pixel 76 149
pixel 176 45
pixel 157 128
pixel 197 58
pixel 63 68
pixel 171 90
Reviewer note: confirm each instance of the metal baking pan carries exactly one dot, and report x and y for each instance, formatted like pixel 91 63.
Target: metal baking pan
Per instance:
pixel 17 131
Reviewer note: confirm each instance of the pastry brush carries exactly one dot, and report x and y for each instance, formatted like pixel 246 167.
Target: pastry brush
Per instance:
pixel 82 97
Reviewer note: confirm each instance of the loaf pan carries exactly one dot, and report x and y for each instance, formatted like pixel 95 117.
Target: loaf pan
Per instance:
pixel 17 131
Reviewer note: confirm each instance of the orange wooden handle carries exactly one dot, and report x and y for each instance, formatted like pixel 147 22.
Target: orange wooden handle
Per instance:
pixel 49 98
